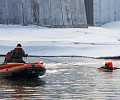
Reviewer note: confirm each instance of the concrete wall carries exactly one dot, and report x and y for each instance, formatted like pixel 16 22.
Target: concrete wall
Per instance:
pixel 89 12
pixel 51 13
pixel 105 11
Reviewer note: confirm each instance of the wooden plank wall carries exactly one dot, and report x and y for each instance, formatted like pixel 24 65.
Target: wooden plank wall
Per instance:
pixel 51 13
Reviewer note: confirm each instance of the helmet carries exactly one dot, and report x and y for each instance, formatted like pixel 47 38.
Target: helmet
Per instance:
pixel 19 45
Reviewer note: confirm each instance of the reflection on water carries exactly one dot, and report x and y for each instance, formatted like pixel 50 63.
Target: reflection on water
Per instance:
pixel 66 78
pixel 20 88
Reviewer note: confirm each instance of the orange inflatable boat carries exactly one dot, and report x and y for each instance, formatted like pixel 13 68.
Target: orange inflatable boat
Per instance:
pixel 21 70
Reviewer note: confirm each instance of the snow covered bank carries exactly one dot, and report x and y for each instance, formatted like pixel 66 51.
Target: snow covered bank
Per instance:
pixel 93 42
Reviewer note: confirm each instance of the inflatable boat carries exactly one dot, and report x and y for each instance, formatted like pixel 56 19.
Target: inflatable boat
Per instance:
pixel 22 70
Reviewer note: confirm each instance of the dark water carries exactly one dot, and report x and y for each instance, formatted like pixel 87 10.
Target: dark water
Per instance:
pixel 66 78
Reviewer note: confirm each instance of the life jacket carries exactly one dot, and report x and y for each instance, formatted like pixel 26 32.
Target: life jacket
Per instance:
pixel 110 64
pixel 17 52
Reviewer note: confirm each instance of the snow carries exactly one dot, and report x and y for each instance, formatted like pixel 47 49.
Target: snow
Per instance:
pixel 92 42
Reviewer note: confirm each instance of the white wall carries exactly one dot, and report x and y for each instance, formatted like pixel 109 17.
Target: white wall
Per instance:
pixel 106 11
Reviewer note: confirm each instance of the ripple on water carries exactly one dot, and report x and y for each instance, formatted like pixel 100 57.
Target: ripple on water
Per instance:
pixel 66 78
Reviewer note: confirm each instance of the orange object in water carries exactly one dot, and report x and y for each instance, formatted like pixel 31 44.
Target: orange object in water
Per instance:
pixel 110 64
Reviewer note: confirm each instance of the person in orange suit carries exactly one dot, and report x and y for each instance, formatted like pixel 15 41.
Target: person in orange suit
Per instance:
pixel 108 65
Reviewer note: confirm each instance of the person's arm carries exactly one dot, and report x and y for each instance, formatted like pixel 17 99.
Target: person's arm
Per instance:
pixel 24 55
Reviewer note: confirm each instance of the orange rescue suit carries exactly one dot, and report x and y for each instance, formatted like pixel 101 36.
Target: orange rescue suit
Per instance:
pixel 110 64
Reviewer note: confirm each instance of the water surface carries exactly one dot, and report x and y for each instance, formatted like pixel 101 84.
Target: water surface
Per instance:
pixel 67 78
